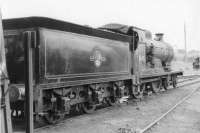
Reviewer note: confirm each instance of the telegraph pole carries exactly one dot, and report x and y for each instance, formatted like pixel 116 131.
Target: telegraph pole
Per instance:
pixel 185 41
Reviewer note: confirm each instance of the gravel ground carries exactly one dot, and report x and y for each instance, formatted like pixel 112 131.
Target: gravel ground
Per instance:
pixel 131 117
pixel 184 119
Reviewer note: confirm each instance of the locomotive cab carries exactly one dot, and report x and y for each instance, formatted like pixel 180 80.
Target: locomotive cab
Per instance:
pixel 15 57
pixel 14 47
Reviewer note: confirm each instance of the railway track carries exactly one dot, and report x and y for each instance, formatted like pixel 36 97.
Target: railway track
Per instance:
pixel 162 116
pixel 152 124
pixel 187 79
pixel 147 129
pixel 189 76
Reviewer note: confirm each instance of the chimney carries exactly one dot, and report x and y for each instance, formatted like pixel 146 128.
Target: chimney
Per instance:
pixel 159 36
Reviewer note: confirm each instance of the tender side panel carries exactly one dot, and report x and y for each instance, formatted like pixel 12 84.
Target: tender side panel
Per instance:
pixel 66 54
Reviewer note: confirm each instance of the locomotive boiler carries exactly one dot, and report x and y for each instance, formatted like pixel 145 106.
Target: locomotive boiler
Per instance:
pixel 76 68
pixel 161 50
pixel 151 59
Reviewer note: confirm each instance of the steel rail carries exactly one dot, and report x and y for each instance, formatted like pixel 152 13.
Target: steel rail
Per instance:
pixel 166 113
pixel 183 80
pixel 189 76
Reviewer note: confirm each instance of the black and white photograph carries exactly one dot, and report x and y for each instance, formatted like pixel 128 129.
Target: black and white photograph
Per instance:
pixel 100 66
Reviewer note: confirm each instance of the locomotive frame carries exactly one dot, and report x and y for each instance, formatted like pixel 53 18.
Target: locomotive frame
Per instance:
pixel 59 94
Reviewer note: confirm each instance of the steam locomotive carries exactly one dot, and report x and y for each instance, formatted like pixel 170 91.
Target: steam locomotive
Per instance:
pixel 77 68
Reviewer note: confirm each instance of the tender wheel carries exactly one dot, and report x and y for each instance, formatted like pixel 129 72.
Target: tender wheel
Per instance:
pixel 53 118
pixel 88 107
pixel 138 91
pixel 156 86
pixel 111 101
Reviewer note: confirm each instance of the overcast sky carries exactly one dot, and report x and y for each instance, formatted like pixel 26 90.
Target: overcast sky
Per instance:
pixel 165 16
